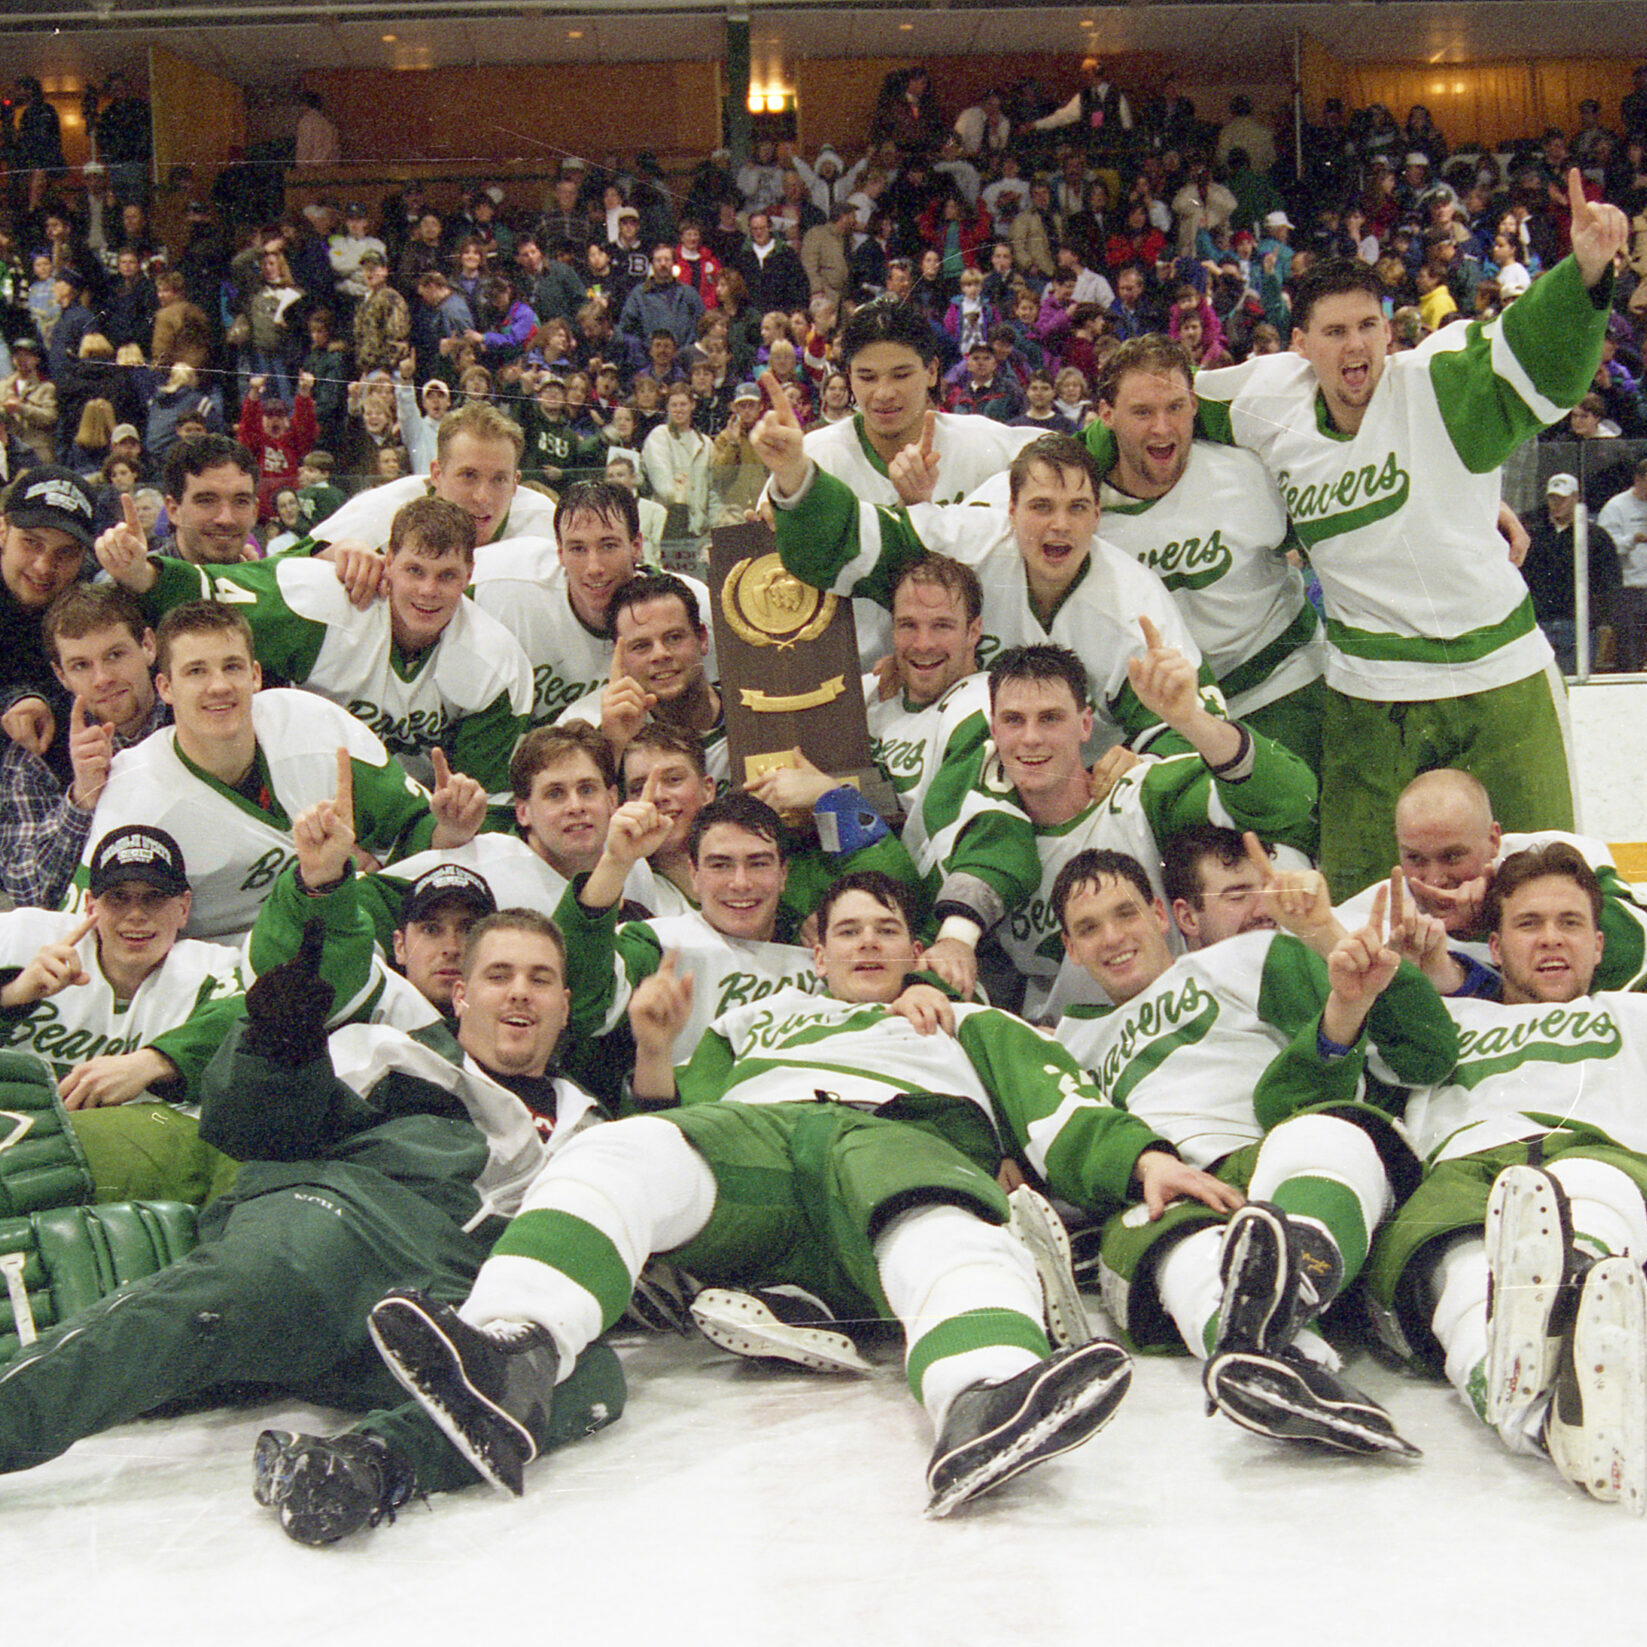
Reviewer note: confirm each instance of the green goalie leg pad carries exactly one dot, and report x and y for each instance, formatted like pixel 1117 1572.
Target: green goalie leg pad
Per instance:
pixel 41 1163
pixel 975 1330
pixel 576 1249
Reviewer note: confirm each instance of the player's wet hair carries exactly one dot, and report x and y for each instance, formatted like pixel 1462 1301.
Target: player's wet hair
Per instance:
pixel 1154 353
pixel 604 499
pixel 886 320
pixel 1553 858
pixel 954 577
pixel 1041 662
pixel 549 745
pixel 510 920
pixel 1188 850
pixel 84 608
pixel 1066 455
pixel 198 617
pixel 1332 277
pixel 437 526
pixel 649 585
pixel 481 421
pixel 742 812
pixel 1090 867
pixel 663 739
pixel 189 458
pixel 888 893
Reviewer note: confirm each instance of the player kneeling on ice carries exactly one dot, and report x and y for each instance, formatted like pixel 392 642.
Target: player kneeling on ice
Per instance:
pixel 1518 1259
pixel 845 1143
pixel 1191 1047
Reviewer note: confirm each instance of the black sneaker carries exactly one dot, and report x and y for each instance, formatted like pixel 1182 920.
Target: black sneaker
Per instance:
pixel 995 1431
pixel 1287 1396
pixel 773 1324
pixel 488 1388
pixel 326 1487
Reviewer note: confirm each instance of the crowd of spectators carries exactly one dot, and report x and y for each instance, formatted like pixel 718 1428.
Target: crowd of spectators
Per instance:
pixel 630 312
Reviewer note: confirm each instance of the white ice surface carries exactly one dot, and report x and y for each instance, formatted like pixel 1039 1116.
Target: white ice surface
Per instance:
pixel 734 1504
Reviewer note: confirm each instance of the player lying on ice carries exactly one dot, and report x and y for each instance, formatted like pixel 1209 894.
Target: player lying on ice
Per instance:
pixel 846 1143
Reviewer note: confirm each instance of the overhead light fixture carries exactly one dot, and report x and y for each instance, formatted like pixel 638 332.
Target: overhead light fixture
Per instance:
pixel 389 39
pixel 905 28
pixel 574 34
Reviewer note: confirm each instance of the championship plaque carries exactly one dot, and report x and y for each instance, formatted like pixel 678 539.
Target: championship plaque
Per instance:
pixel 789 667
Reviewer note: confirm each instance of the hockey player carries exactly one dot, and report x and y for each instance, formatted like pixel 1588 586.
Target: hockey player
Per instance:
pixel 1045 572
pixel 420 666
pixel 1209 522
pixel 1451 845
pixel 552 596
pixel 1188 1048
pixel 238 764
pixel 660 648
pixel 1214 889
pixel 1040 719
pixel 680 790
pixel 369 1159
pixel 877 1193
pixel 476 466
pixel 1388 465
pixel 898 447
pixel 1517 1262
pixel 128 1014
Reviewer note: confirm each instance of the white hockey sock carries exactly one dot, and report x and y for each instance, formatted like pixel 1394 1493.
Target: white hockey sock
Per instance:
pixel 968 1297
pixel 635 1186
pixel 1187 1283
pixel 1608 1213
pixel 1458 1283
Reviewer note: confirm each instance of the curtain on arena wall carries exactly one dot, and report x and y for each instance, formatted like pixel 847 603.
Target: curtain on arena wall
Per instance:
pixel 1485 103
pixel 198 116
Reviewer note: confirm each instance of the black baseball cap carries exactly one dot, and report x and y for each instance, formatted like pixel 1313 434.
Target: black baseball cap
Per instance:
pixel 138 852
pixel 49 496
pixel 444 884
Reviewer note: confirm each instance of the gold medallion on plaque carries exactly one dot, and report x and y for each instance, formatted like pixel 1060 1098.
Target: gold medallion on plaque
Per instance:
pixel 769 606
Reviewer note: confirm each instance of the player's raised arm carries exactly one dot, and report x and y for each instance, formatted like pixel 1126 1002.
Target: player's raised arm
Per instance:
pixel 636 831
pixel 1166 683
pixel 913 471
pixel 658 1011
pixel 324 834
pixel 55 966
pixel 1599 232
pixel 1297 898
pixel 457 801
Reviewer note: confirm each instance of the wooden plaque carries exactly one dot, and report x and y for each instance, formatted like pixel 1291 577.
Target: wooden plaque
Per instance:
pixel 789 667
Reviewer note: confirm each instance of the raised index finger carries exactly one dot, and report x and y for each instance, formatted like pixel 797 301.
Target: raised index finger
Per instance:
pixel 1258 857
pixel 1152 635
pixel 778 401
pixel 344 801
pixel 81 930
pixel 929 428
pixel 1576 202
pixel 133 522
pixel 77 714
pixel 443 773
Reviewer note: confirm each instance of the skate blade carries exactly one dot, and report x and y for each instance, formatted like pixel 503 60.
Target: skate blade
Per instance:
pixel 1040 1229
pixel 1610 1364
pixel 1522 1357
pixel 744 1325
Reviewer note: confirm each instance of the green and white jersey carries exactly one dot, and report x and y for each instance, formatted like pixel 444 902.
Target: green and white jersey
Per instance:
pixel 1188 1054
pixel 235 848
pixel 1218 541
pixel 468 694
pixel 1623 918
pixel 1400 519
pixel 520 879
pixel 1522 1070
pixel 970 449
pixel 604 961
pixel 717 754
pixel 367 516
pixel 831 541
pixel 523 585
pixel 792 1046
pixel 1148 804
pixel 182 1009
